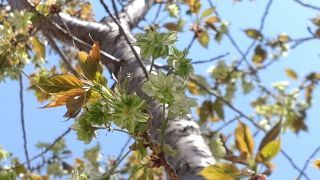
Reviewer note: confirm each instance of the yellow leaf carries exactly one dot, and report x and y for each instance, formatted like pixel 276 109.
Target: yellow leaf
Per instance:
pixel 270 150
pixel 95 51
pixel 89 64
pixel 316 163
pixel 204 38
pixel 220 171
pixel 193 88
pixel 207 12
pixel 253 33
pixel 212 20
pixel 293 75
pixel 59 83
pixel 259 55
pixel 38 47
pixel 271 135
pixel 283 38
pixel 244 139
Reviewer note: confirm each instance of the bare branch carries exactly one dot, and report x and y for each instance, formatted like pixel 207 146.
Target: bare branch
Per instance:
pixel 136 10
pixel 49 147
pixel 314 153
pixel 122 31
pixel 23 126
pixel 307 5
pixel 210 60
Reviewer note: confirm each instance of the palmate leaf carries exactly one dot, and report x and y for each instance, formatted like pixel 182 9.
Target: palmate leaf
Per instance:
pixel 154 44
pixel 127 110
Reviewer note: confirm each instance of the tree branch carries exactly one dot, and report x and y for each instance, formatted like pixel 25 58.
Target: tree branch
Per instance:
pixel 23 126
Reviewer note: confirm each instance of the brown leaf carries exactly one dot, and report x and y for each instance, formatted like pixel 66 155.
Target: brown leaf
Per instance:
pixel 60 99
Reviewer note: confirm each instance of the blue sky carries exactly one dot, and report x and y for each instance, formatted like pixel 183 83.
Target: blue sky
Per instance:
pixel 285 16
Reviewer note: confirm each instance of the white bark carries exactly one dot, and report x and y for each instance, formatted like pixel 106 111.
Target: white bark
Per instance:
pixel 183 134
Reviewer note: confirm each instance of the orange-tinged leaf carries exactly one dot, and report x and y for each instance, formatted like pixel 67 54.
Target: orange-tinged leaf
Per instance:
pixel 244 139
pixel 74 104
pixel 89 64
pixel 59 83
pixel 82 56
pixel 291 74
pixel 95 51
pixel 60 99
pixel 212 20
pixel 316 163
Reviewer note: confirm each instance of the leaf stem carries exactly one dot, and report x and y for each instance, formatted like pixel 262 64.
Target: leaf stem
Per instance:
pixel 152 63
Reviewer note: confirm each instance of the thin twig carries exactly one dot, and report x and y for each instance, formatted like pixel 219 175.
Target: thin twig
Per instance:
pixel 307 5
pixel 50 147
pixel 62 55
pixel 124 147
pixel 210 60
pixel 191 42
pixel 23 126
pixel 308 160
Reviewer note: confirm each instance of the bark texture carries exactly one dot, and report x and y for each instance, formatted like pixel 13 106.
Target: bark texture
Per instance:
pixel 182 133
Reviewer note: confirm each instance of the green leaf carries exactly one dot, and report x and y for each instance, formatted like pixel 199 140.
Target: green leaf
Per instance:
pixel 3 154
pixel 59 83
pixel 154 44
pixel 85 131
pixel 204 38
pixel 207 12
pixel 93 155
pixel 270 150
pixel 128 110
pixel 220 171
pixel 244 139
pixel 271 135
